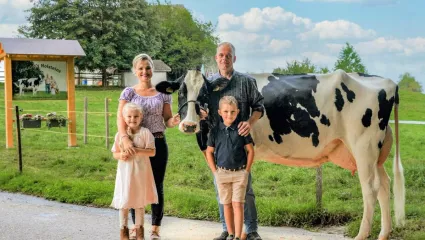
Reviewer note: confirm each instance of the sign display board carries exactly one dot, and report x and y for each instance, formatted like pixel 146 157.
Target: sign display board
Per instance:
pixel 39 80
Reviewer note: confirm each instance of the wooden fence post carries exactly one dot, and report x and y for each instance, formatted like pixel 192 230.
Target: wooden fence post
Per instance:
pixel 107 122
pixel 85 119
pixel 319 187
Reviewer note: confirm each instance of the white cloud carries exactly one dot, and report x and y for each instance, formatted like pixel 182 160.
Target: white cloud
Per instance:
pixel 408 47
pixel 21 4
pixel 9 30
pixel 365 2
pixel 276 45
pixel 320 59
pixel 339 29
pixel 261 19
pixel 334 47
pixel 249 42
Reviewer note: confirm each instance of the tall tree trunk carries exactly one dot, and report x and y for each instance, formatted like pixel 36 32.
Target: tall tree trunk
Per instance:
pixel 104 78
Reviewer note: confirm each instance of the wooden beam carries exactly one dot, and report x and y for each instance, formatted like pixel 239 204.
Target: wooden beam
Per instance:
pixel 21 57
pixel 8 94
pixel 2 55
pixel 72 123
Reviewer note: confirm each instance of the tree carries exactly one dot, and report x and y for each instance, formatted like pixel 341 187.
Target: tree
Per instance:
pixel 349 60
pixel 24 69
pixel 111 32
pixel 408 82
pixel 186 42
pixel 297 67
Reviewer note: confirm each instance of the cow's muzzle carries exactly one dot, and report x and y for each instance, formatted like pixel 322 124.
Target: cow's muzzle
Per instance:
pixel 188 127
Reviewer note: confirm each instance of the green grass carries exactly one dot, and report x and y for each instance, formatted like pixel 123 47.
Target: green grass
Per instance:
pixel 284 195
pixel 41 96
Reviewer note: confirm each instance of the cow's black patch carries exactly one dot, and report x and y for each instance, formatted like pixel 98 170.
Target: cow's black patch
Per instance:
pixel 325 120
pixel 271 138
pixel 368 75
pixel 380 144
pixel 350 94
pixel 385 107
pixel 339 101
pixel 290 106
pixel 367 117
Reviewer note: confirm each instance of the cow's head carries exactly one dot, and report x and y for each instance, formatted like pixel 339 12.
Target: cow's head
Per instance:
pixel 194 90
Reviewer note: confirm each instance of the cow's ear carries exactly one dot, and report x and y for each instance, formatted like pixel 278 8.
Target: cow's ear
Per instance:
pixel 219 84
pixel 167 87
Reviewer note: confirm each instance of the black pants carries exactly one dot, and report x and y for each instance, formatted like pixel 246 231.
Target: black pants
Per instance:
pixel 159 165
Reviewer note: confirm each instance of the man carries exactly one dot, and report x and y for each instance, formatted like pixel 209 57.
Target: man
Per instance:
pixel 244 89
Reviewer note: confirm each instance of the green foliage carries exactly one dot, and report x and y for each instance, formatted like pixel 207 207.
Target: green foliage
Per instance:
pixel 111 32
pixel 408 82
pixel 297 67
pixel 186 42
pixel 349 60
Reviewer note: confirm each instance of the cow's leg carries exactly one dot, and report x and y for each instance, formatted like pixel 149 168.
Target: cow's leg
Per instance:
pixel 367 160
pixel 384 202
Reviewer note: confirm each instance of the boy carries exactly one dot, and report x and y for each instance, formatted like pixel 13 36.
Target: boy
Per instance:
pixel 230 157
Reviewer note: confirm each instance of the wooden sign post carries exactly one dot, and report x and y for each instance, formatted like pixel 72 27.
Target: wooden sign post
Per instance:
pixel 23 49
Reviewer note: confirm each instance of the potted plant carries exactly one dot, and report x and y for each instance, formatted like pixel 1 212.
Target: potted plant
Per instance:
pixel 54 120
pixel 29 121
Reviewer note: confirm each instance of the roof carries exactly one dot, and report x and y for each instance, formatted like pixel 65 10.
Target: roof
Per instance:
pixel 51 47
pixel 160 66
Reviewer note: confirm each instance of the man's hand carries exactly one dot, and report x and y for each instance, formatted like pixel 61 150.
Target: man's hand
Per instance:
pixel 203 114
pixel 244 128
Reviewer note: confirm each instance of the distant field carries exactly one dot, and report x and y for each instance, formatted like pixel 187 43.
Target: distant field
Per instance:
pixel 285 195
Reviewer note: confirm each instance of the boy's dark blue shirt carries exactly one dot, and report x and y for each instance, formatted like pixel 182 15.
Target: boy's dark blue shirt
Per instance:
pixel 229 146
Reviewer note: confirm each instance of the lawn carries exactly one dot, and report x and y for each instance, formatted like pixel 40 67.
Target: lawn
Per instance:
pixel 285 195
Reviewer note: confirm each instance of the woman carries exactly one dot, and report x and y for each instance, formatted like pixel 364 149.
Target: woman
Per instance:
pixel 158 116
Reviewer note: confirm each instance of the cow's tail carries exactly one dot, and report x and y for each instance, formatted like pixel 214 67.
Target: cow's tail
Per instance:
pixel 398 187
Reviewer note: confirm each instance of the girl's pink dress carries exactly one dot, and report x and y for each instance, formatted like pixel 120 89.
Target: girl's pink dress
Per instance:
pixel 134 183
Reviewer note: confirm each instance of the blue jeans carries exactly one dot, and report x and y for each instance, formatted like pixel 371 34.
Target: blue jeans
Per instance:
pixel 250 211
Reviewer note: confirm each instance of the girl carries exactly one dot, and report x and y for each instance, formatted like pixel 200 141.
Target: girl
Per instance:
pixel 134 185
pixel 158 116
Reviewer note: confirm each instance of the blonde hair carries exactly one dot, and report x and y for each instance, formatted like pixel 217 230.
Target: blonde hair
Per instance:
pixel 131 106
pixel 142 57
pixel 228 100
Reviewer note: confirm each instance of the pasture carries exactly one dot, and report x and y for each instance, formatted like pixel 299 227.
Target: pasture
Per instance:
pixel 284 195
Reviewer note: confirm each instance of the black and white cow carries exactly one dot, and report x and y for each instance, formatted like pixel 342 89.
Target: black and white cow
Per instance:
pixel 28 84
pixel 313 119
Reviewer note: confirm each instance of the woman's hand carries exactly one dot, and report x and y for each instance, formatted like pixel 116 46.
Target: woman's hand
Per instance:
pixel 175 120
pixel 127 146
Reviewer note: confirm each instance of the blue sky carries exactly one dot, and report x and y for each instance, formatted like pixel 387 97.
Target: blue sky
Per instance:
pixel 388 34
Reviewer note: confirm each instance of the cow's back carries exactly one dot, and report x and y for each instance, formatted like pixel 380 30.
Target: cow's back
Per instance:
pixel 305 114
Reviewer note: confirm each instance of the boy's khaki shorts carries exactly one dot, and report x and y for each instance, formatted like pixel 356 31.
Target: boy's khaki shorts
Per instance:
pixel 231 185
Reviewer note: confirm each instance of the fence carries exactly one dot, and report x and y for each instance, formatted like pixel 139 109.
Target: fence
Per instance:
pixel 95 79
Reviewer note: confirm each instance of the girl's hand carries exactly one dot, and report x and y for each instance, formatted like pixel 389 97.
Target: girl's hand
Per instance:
pixel 125 156
pixel 127 146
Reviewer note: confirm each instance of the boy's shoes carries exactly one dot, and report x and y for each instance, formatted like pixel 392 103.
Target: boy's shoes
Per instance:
pixel 253 236
pixel 124 235
pixel 223 236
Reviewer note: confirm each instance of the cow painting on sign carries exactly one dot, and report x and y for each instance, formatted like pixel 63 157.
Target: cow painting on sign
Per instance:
pixel 28 83
pixel 313 119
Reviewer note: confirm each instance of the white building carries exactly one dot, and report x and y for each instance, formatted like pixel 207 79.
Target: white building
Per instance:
pixel 2 71
pixel 159 74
